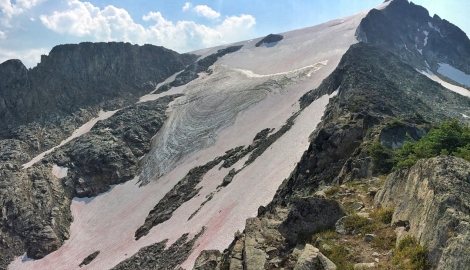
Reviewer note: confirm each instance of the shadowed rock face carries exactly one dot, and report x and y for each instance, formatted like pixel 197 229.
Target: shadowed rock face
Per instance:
pixel 79 76
pixel 405 28
pixel 431 198
pixel 271 38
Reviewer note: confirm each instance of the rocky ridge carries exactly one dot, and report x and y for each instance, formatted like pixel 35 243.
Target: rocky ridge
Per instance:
pixel 374 88
pixel 408 31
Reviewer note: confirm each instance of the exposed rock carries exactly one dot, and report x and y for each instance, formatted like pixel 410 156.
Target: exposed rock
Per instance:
pixel 158 257
pixel 84 75
pixel 271 38
pixel 339 226
pixel 395 137
pixel 90 172
pixel 326 263
pixel 361 266
pixel 308 259
pixel 395 29
pixel 308 215
pixel 191 72
pixel 207 260
pixel 89 258
pixel 253 258
pixel 369 237
pixel 431 204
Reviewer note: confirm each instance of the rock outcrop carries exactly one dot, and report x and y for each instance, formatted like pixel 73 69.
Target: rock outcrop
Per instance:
pixel 431 203
pixel 77 76
pixel 35 204
pixel 408 31
pixel 269 39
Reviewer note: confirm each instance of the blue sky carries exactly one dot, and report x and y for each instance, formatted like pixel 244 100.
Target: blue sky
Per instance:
pixel 29 28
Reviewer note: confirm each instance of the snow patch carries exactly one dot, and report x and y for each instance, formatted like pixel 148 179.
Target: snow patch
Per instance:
pixel 406 47
pixel 465 116
pixel 59 172
pixel 426 38
pixel 435 28
pixel 420 51
pixel 457 89
pixel 454 74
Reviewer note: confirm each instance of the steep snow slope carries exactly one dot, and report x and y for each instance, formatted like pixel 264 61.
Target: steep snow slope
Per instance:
pixel 249 90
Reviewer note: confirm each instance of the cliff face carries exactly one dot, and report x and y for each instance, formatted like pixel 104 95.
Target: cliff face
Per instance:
pixel 40 107
pixel 431 203
pixel 79 76
pixel 408 31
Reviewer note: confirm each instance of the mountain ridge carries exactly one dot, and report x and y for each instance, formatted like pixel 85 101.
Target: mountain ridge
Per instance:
pixel 307 108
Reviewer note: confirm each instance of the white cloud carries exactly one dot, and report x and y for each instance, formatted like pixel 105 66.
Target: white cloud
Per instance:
pixel 30 57
pixel 82 19
pixel 9 9
pixel 2 35
pixel 206 12
pixel 187 6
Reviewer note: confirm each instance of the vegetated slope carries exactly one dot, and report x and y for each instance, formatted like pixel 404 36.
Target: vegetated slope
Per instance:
pixel 374 87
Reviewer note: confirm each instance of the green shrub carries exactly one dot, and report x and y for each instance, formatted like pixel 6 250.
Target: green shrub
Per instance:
pixel 396 123
pixel 450 138
pixel 355 222
pixel 409 255
pixel 333 190
pixel 340 256
pixel 382 157
pixel 385 215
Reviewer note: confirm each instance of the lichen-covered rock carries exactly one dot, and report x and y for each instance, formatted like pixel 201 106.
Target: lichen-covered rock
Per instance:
pixel 308 259
pixel 207 260
pixel 432 204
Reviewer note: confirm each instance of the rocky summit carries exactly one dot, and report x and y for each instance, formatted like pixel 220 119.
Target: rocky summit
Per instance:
pixel 338 146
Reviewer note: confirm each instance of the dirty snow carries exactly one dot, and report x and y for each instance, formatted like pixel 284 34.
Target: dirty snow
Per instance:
pixel 454 74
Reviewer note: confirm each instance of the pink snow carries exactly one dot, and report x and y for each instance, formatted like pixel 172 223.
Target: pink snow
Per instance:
pixel 108 222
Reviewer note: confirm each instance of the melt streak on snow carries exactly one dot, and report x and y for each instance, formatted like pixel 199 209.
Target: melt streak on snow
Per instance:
pixel 217 112
pixel 454 74
pixel 77 133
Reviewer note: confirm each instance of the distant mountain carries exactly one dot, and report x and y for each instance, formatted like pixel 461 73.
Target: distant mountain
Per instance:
pixel 262 154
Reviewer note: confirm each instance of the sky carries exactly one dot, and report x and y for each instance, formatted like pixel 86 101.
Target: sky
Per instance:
pixel 30 28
